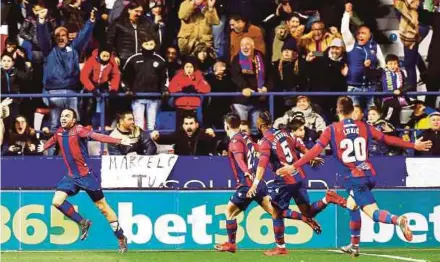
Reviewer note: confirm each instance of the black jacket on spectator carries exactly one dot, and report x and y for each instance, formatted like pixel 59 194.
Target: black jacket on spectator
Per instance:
pixel 434 136
pixel 28 30
pixel 73 18
pixel 122 36
pixel 145 73
pixel 172 68
pixel 217 107
pixel 199 143
pixel 142 143
pixel 324 74
pixel 14 80
pixel 23 142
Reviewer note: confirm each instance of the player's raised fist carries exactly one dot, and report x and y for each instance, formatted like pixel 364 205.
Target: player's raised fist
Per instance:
pixel 420 145
pixel 154 135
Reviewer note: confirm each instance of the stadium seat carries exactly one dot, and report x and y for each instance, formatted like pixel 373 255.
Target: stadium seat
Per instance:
pixel 166 120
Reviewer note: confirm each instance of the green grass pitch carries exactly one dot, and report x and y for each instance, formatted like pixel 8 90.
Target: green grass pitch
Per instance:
pixel 415 255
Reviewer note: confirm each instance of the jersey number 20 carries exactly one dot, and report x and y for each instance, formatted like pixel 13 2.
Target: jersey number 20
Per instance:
pixel 354 150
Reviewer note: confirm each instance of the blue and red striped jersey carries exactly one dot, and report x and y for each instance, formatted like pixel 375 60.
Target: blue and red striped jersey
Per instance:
pixel 243 158
pixel 349 140
pixel 277 147
pixel 73 147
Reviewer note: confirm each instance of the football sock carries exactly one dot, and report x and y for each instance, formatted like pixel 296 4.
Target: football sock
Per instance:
pixel 67 209
pixel 290 214
pixel 117 230
pixel 385 217
pixel 231 228
pixel 317 207
pixel 278 229
pixel 355 226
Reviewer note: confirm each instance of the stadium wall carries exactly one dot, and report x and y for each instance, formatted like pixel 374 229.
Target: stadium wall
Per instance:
pixel 194 220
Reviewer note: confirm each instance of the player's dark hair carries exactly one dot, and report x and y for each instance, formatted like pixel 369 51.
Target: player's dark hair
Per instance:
pixel 75 115
pixel 391 57
pixel 264 120
pixel 345 105
pixel 121 116
pixel 233 120
pixel 295 124
pixel 359 107
pixel 375 108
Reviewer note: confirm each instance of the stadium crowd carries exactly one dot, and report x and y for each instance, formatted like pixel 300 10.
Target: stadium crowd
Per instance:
pixel 206 46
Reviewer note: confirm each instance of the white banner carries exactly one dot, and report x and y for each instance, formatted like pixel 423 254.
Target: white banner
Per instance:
pixel 136 171
pixel 423 172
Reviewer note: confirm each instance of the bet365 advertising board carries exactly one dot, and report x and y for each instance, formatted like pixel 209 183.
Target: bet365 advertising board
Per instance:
pixel 169 220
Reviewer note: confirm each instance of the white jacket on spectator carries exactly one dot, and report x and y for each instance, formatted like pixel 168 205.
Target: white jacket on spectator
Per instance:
pixel 313 120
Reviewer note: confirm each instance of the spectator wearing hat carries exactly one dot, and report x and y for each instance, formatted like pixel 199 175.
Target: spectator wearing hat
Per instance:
pixel 61 68
pixel 433 135
pixel 99 75
pixel 250 76
pixel 146 73
pixel 326 73
pixel 189 80
pixel 197 18
pixel 285 74
pixel 313 121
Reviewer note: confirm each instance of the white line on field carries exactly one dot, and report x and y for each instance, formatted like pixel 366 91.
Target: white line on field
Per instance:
pixel 385 256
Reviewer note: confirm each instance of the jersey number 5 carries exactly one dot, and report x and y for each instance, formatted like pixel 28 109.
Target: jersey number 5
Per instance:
pixel 287 152
pixel 354 150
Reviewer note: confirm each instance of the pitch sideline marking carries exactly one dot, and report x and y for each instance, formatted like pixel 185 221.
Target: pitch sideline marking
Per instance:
pixel 385 256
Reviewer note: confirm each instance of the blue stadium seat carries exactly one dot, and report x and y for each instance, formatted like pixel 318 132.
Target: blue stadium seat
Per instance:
pixel 166 120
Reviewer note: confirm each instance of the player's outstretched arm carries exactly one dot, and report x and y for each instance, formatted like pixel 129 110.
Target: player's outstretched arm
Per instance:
pixel 87 133
pixel 264 150
pixel 310 155
pixel 44 146
pixel 419 145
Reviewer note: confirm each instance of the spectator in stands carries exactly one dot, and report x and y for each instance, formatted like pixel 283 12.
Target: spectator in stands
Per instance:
pixel 11 18
pixel 326 74
pixel 4 113
pixel 313 121
pixel 291 29
pixel 189 80
pixel 206 57
pixel 378 148
pixel 28 32
pixel 156 17
pixel 146 73
pixel 100 75
pixel 216 107
pixel 317 41
pixel 61 68
pixel 128 31
pixel 249 75
pixel 197 18
pixel 18 54
pixel 218 31
pixel 286 77
pixel 433 81
pixel 172 61
pixel 364 56
pixel 419 119
pixel 73 16
pixel 409 36
pixel 189 140
pixel 13 81
pixel 358 113
pixel 22 139
pixel 141 143
pixel 432 134
pixel 393 81
pixel 241 28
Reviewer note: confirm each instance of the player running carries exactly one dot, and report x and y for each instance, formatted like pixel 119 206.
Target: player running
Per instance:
pixel 277 147
pixel 72 141
pixel 349 140
pixel 242 156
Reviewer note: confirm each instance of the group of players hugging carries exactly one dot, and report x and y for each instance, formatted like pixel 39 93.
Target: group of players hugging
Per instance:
pixel 348 139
